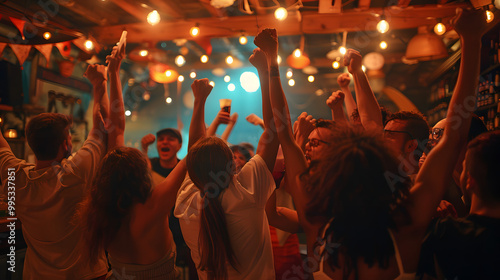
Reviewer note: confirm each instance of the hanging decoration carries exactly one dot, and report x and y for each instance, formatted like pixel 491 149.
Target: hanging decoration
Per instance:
pixel 64 48
pixel 2 46
pixel 45 50
pixel 21 51
pixel 205 43
pixel 19 24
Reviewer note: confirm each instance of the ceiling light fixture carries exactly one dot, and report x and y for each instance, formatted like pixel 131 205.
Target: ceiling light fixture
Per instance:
pixel 153 17
pixel 243 39
pixel 439 28
pixel 204 58
pixel 180 60
pixel 383 45
pixel 47 35
pixel 281 14
pixel 382 25
pixel 195 30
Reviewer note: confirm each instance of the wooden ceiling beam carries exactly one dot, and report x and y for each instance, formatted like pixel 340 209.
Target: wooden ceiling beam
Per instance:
pixel 403 3
pixel 218 13
pixel 364 4
pixel 257 7
pixel 91 15
pixel 313 23
pixel 133 9
pixel 169 8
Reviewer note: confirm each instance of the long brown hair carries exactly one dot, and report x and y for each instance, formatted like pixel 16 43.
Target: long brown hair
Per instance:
pixel 210 166
pixel 122 180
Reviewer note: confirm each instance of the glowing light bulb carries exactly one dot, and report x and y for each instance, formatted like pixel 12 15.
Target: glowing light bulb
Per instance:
pixel 289 73
pixel 280 13
pixel 243 40
pixel 180 78
pixel 231 87
pixel 297 53
pixel 128 113
pixel 168 100
pixel 153 17
pixel 227 78
pixel 229 60
pixel 310 78
pixel 489 16
pixel 168 73
pixel 279 59
pixel 291 82
pixel 47 35
pixel 439 28
pixel 89 45
pixel 146 96
pixel 363 68
pixel 204 58
pixel 342 50
pixel 211 83
pixel 180 60
pixel 194 31
pixel 335 65
pixel 382 26
pixel 383 45
pixel 192 75
pixel 143 53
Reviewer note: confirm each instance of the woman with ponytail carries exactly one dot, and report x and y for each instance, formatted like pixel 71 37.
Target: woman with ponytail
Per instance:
pixel 221 212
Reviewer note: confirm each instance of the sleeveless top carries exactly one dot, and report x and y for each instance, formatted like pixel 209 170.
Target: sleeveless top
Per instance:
pixel 321 275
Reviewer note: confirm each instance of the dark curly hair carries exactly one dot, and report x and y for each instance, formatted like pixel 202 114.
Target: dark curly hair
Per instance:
pixel 122 181
pixel 356 185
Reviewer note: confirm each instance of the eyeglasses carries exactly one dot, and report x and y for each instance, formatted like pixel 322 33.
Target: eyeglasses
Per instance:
pixel 437 133
pixel 388 132
pixel 316 142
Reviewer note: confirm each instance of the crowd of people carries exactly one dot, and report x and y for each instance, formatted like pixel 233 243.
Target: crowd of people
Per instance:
pixel 378 195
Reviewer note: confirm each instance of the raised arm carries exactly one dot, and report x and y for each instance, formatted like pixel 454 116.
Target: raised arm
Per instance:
pixel 350 105
pixel 97 76
pixel 201 90
pixel 268 142
pixel 116 124
pixel 255 120
pixel 229 127
pixel 431 181
pixel 369 110
pixel 295 160
pixel 221 118
pixel 335 102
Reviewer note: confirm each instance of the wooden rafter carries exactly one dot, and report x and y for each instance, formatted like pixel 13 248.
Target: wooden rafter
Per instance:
pixel 90 15
pixel 169 8
pixel 133 9
pixel 257 7
pixel 364 4
pixel 218 13
pixel 403 3
pixel 313 23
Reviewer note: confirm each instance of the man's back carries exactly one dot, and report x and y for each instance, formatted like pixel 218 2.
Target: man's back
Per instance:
pixel 467 248
pixel 46 203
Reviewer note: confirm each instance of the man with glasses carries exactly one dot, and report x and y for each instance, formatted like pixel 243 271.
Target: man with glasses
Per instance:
pixel 407 133
pixel 318 140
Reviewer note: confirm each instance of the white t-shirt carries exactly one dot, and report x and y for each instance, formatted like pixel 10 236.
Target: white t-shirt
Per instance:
pixel 244 203
pixel 46 202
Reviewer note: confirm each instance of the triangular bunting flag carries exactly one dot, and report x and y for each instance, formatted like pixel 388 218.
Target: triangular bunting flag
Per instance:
pixel 46 50
pixel 64 48
pixel 19 23
pixel 2 46
pixel 22 52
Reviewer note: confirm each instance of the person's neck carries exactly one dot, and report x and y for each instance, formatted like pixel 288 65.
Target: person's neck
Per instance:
pixel 479 208
pixel 169 163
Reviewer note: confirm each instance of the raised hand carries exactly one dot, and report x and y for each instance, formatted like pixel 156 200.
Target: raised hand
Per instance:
pixel 352 59
pixel 96 73
pixel 343 80
pixel 470 23
pixel 255 120
pixel 114 60
pixel 146 141
pixel 304 125
pixel 267 41
pixel 223 117
pixel 336 99
pixel 258 59
pixel 201 88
